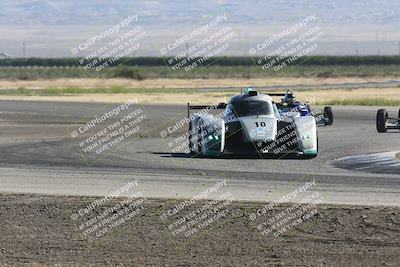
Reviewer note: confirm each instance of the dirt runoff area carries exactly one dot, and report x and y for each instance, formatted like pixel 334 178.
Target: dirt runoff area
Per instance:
pixel 42 230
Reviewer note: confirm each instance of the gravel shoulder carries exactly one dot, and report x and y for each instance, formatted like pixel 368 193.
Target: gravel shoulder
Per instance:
pixel 37 229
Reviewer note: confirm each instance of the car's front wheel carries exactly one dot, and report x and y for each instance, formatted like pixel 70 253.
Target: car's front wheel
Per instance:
pixel 200 142
pixel 381 118
pixel 191 148
pixel 314 155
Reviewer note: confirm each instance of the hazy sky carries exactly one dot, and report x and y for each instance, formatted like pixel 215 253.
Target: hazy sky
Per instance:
pixel 53 28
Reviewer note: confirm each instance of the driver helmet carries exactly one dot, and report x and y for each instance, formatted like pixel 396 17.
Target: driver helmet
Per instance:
pixel 289 97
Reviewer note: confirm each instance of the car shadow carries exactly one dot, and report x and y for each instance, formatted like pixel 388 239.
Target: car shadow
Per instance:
pixel 232 156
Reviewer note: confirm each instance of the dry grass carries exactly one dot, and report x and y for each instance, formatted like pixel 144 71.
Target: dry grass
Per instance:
pixel 167 98
pixel 177 83
pixel 351 96
pixel 314 96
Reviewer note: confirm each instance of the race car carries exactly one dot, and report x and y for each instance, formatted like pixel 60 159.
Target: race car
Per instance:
pixel 384 122
pixel 290 104
pixel 251 123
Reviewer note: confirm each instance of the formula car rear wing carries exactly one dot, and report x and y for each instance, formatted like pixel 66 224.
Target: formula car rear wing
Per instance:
pixel 205 107
pixel 274 94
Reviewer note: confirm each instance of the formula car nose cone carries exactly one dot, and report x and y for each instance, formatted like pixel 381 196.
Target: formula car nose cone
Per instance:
pixel 259 129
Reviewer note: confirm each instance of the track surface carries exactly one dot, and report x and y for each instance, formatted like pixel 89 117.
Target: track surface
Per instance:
pixel 38 156
pixel 377 163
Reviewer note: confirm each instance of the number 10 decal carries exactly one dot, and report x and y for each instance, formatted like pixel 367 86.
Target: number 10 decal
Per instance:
pixel 261 124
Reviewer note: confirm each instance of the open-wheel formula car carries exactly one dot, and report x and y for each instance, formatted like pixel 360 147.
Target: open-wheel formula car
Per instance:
pixel 290 104
pixel 384 122
pixel 251 123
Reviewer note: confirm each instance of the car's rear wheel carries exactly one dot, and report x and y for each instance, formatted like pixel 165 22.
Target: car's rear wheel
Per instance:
pixel 328 113
pixel 381 118
pixel 399 118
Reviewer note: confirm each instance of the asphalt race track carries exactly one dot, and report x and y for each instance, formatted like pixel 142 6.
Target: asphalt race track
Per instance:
pixel 386 162
pixel 37 155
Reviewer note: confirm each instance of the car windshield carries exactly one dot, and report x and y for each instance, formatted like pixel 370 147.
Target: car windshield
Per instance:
pixel 252 107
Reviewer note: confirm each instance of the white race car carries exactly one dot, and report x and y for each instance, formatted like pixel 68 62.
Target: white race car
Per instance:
pixel 251 123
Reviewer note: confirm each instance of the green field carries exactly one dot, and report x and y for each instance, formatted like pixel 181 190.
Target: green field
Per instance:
pixel 225 67
pixel 13 70
pixel 220 61
pixel 209 72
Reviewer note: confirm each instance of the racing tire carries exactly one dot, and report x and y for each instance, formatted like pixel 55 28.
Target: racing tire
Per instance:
pixel 399 118
pixel 328 113
pixel 310 156
pixel 199 142
pixel 190 138
pixel 381 118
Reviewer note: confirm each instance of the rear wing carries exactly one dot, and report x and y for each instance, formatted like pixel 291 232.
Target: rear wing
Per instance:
pixel 274 94
pixel 205 107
